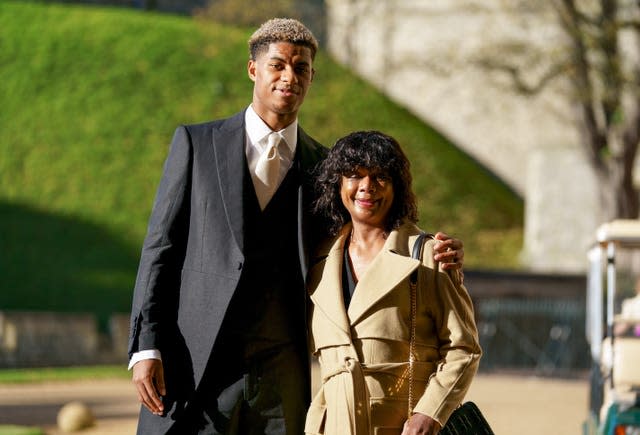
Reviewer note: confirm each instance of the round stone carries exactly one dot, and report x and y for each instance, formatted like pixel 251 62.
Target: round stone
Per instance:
pixel 75 416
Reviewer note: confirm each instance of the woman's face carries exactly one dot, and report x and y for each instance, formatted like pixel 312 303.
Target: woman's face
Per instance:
pixel 367 194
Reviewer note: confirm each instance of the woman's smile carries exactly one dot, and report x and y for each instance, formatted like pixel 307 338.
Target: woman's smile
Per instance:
pixel 366 203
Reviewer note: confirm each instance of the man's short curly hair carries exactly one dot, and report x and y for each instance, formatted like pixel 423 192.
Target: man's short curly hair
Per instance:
pixel 371 150
pixel 281 30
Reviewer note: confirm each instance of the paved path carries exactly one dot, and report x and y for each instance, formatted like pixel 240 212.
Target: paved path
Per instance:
pixel 513 404
pixel 527 405
pixel 113 402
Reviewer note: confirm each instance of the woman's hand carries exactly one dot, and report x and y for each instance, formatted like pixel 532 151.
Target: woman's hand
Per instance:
pixel 449 251
pixel 421 424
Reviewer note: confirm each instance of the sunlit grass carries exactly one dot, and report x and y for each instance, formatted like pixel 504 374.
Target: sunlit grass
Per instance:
pixel 20 430
pixel 90 99
pixel 16 376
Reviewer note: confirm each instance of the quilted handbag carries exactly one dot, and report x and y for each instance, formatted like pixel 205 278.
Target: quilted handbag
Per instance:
pixel 467 420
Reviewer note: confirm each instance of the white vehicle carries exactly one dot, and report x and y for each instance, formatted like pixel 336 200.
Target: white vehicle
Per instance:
pixel 613 329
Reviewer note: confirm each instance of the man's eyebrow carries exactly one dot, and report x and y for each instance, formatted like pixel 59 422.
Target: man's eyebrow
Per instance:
pixel 280 59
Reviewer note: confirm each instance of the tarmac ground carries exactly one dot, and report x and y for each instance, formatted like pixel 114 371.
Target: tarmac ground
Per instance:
pixel 512 403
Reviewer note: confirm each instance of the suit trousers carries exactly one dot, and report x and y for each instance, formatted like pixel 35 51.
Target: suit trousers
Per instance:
pixel 271 398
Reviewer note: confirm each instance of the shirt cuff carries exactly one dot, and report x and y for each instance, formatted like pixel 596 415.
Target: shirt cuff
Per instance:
pixel 144 354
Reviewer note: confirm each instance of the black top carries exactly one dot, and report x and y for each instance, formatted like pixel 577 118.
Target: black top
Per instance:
pixel 348 280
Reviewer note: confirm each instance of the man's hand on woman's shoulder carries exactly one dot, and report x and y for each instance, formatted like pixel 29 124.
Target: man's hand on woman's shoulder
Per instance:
pixel 449 251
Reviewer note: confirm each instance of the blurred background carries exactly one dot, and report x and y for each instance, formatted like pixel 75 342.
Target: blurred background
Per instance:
pixel 521 120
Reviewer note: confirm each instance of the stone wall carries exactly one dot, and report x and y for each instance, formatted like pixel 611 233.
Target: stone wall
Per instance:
pixel 526 321
pixel 561 210
pixel 45 339
pixel 419 53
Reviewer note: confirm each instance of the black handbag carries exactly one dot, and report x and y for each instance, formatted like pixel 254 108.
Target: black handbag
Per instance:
pixel 467 418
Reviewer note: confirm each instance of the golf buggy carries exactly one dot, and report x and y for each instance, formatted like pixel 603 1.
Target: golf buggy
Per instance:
pixel 613 332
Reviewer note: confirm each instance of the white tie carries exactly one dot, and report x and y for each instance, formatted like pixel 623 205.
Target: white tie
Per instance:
pixel 268 169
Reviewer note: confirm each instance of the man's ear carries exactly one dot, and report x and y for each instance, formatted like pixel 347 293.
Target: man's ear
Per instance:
pixel 313 74
pixel 251 69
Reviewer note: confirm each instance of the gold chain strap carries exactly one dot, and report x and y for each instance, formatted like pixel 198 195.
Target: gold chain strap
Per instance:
pixel 412 339
pixel 413 284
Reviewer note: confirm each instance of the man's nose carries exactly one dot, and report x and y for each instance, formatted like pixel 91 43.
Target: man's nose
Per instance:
pixel 287 75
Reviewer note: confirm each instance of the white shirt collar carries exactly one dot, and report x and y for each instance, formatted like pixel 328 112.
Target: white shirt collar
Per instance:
pixel 257 131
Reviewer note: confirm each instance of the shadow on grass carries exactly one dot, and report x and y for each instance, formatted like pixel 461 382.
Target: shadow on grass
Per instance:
pixel 60 263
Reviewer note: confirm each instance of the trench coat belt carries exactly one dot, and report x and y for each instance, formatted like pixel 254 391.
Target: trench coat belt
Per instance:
pixel 357 402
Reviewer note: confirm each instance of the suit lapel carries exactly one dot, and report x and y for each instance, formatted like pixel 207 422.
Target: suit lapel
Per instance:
pixel 228 147
pixel 384 273
pixel 326 278
pixel 309 153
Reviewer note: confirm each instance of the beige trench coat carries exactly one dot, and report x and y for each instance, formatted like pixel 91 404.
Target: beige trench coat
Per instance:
pixel 363 351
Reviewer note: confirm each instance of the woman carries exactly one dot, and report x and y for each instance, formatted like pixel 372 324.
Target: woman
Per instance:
pixel 361 311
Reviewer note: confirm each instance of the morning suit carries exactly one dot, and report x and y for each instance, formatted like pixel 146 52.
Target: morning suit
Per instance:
pixel 363 350
pixel 200 272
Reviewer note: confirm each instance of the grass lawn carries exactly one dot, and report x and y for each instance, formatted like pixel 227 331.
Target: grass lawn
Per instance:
pixel 10 429
pixel 18 376
pixel 90 98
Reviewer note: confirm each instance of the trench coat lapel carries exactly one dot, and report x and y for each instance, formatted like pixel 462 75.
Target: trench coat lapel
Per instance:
pixel 327 296
pixel 384 273
pixel 228 146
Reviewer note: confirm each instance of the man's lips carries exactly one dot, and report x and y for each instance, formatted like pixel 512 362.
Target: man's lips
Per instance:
pixel 287 91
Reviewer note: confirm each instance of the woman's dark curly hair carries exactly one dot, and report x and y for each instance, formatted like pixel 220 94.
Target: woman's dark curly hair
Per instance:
pixel 371 150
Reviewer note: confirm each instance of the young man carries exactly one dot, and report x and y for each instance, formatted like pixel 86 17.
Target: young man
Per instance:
pixel 218 337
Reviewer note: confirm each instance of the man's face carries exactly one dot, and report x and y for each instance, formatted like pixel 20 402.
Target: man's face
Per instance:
pixel 281 76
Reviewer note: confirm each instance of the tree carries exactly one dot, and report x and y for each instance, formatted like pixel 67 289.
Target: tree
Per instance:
pixel 252 13
pixel 248 12
pixel 599 56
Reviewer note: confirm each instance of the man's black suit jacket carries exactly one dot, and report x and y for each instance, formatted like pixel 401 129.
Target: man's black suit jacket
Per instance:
pixel 192 256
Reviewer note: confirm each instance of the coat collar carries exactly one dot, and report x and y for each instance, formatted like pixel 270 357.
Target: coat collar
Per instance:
pixel 325 282
pixel 390 267
pixel 228 147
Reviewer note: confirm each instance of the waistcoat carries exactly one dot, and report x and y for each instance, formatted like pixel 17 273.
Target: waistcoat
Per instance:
pixel 267 309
